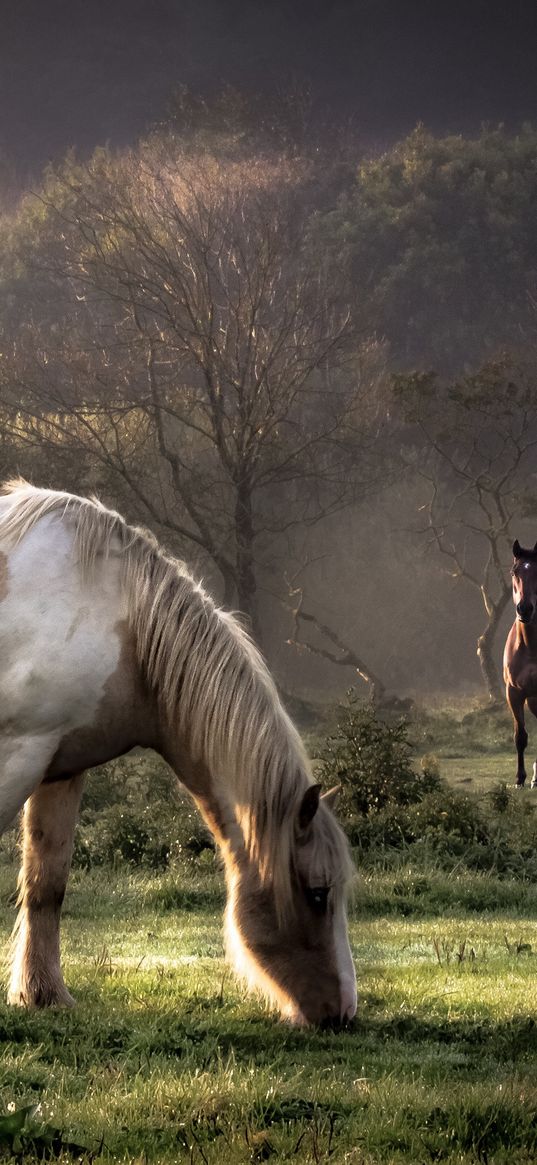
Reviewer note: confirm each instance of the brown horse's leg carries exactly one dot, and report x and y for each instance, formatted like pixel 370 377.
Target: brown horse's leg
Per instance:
pixel 49 821
pixel 532 705
pixel 516 703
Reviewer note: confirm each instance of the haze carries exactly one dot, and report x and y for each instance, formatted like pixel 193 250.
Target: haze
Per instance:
pixel 372 164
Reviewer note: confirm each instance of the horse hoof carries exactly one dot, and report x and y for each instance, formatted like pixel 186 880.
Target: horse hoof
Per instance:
pixel 41 997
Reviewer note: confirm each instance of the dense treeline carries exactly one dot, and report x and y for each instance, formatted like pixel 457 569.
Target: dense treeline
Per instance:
pixel 441 235
pixel 268 348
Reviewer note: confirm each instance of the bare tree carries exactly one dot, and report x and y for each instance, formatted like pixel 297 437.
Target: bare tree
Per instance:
pixel 472 445
pixel 204 359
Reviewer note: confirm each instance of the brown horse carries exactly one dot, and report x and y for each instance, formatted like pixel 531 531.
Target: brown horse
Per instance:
pixel 520 655
pixel 107 643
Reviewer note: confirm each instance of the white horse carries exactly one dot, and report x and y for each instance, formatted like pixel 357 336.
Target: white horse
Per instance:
pixel 107 643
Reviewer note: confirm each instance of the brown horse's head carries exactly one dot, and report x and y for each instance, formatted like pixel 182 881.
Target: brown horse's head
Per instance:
pixel 302 960
pixel 524 575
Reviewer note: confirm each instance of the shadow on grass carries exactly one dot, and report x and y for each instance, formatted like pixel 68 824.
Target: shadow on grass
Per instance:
pixel 108 1027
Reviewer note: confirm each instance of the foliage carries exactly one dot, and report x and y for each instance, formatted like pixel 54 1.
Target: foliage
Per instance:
pixel 395 812
pixel 371 758
pixel 22 1131
pixel 394 809
pixel 191 354
pixel 132 813
pixel 180 333
pixel 443 233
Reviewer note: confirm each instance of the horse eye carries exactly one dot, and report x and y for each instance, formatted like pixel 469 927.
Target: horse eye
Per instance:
pixel 317 897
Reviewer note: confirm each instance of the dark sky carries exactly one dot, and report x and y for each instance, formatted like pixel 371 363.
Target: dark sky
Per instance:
pixel 81 73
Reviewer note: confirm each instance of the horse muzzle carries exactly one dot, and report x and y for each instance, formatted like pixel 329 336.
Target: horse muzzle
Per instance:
pixel 324 1015
pixel 525 611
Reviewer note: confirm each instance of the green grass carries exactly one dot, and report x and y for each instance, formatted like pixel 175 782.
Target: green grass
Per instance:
pixel 164 1059
pixel 480 773
pixel 473 744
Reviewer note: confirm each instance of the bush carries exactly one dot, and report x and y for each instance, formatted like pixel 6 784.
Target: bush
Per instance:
pixel 372 760
pixel 134 813
pixel 394 812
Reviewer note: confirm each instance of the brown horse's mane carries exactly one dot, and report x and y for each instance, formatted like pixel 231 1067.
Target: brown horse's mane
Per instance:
pixel 210 680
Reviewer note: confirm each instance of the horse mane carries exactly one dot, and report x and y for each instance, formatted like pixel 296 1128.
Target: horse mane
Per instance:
pixel 210 680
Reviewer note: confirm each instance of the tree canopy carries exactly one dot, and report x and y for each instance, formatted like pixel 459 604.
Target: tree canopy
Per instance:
pixel 202 327
pixel 191 347
pixel 442 239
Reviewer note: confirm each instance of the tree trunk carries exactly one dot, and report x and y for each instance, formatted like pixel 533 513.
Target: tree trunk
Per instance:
pixel 245 535
pixel 230 589
pixel 485 649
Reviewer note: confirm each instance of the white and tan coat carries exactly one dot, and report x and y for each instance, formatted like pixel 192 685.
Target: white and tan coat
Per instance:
pixel 107 643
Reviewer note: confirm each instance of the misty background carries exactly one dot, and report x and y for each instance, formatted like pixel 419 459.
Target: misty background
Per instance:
pixel 269 286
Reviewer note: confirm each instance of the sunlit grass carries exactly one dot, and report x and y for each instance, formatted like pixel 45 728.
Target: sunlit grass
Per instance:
pixel 166 1059
pixel 480 773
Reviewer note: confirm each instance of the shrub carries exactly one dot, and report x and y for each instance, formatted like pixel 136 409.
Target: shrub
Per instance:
pixel 394 812
pixel 134 813
pixel 372 760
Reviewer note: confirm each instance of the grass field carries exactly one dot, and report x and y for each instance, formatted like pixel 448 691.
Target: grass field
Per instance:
pixel 165 1059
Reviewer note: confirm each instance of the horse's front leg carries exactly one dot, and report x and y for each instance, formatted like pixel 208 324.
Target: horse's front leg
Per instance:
pixel 49 821
pixel 532 705
pixel 516 703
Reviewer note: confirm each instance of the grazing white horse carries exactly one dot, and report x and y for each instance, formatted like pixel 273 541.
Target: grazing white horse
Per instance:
pixel 107 643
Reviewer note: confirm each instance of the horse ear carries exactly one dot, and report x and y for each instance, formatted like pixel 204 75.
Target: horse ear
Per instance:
pixel 331 797
pixel 309 807
pixel 517 549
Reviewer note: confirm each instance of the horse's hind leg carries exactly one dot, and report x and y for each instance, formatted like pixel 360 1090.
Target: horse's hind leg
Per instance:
pixel 49 821
pixel 516 703
pixel 532 705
